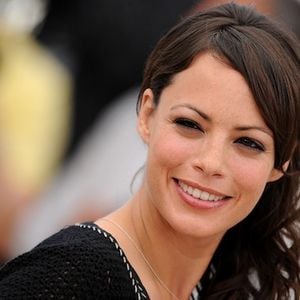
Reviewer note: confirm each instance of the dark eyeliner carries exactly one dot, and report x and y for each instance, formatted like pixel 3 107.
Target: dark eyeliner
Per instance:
pixel 251 143
pixel 184 122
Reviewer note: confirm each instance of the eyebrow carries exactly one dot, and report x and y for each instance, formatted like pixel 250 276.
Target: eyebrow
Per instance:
pixel 263 129
pixel 199 112
pixel 207 118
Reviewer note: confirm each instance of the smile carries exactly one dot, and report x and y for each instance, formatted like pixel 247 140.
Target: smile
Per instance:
pixel 199 194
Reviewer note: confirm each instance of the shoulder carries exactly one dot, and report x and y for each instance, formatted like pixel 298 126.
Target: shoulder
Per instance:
pixel 78 261
pixel 72 245
pixel 81 239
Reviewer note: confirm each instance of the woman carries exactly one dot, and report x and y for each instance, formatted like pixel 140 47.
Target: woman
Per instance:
pixel 217 215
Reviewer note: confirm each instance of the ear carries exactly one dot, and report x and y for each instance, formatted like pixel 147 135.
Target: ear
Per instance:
pixel 145 115
pixel 277 174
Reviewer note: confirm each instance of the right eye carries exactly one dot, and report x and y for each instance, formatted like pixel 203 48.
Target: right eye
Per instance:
pixel 187 123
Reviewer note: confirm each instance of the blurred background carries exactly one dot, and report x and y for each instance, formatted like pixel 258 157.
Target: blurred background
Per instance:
pixel 69 77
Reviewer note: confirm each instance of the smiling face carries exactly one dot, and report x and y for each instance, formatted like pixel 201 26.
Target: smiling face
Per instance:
pixel 210 154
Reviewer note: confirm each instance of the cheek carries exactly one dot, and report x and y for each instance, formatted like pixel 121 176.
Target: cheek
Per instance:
pixel 169 150
pixel 251 176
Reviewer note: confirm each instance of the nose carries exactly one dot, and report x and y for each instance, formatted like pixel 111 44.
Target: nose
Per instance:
pixel 211 159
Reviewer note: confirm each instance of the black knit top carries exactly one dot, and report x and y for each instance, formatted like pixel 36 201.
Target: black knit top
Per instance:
pixel 79 262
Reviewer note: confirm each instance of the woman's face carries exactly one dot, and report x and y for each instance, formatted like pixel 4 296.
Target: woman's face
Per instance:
pixel 210 154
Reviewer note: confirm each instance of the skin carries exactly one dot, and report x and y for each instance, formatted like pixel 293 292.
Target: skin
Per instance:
pixel 208 133
pixel 13 200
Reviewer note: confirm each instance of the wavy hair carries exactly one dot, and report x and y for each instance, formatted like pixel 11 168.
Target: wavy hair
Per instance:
pixel 258 258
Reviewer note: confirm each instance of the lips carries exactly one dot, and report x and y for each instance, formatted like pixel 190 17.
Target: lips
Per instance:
pixel 201 194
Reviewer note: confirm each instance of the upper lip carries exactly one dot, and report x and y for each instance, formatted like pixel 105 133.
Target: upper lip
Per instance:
pixel 205 189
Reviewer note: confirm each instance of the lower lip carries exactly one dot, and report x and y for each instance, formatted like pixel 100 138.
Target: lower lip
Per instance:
pixel 197 203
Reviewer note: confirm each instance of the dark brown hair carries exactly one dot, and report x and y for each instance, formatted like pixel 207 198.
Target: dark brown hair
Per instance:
pixel 260 256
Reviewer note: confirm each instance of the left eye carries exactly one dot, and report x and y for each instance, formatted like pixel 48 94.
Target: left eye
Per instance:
pixel 250 143
pixel 188 123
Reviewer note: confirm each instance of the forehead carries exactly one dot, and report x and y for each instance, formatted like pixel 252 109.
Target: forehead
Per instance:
pixel 210 83
pixel 210 74
pixel 208 67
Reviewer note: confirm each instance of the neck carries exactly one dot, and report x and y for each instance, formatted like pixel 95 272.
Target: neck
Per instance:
pixel 162 247
pixel 173 253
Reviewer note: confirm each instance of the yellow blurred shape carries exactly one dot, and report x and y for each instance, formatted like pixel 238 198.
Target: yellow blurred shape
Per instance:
pixel 35 110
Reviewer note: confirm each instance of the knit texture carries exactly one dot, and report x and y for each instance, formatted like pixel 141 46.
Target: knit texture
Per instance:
pixel 79 262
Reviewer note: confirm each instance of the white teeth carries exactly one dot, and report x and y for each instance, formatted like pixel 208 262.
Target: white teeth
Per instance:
pixel 196 193
pixel 185 188
pixel 205 196
pixel 190 190
pixel 211 197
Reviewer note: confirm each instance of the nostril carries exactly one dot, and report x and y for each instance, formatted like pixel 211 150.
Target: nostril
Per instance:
pixel 210 170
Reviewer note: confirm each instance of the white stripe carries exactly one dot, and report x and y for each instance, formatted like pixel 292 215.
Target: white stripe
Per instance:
pixel 136 284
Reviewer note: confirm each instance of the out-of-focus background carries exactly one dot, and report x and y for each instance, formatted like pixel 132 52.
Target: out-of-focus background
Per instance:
pixel 69 77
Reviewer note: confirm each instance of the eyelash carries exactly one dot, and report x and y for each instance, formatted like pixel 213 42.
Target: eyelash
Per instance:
pixel 250 143
pixel 245 141
pixel 189 124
